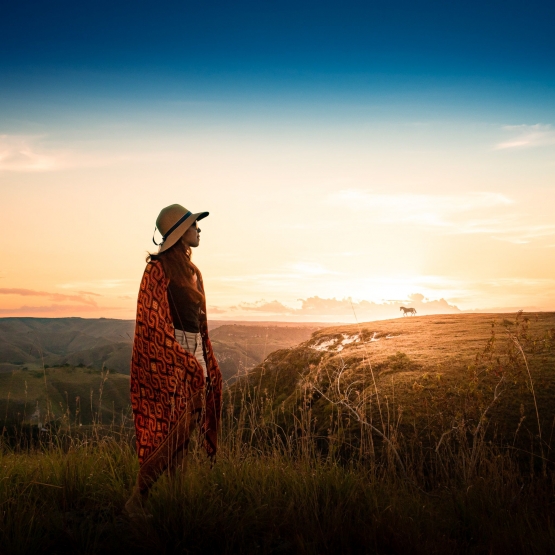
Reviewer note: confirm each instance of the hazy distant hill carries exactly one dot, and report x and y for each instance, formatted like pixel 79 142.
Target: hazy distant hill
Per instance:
pixel 106 343
pixel 56 341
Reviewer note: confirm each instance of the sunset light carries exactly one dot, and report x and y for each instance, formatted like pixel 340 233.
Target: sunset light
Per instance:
pixel 356 181
pixel 277 277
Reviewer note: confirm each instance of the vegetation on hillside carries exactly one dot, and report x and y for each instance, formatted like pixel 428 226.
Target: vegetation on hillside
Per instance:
pixel 419 375
pixel 348 443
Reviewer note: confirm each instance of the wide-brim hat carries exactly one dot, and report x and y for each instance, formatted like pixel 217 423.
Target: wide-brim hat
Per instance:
pixel 172 222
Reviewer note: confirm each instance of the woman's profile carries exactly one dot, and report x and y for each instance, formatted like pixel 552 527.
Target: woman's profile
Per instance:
pixel 175 379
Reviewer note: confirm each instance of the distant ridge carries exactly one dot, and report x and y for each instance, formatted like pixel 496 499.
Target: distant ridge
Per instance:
pixel 57 341
pixel 106 343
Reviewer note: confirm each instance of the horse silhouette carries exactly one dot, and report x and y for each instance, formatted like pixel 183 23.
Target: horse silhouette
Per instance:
pixel 411 311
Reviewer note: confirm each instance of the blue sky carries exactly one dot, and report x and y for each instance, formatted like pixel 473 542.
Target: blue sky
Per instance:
pixel 410 59
pixel 345 46
pixel 368 149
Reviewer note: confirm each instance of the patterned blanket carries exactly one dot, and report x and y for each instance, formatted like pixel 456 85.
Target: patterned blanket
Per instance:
pixel 168 392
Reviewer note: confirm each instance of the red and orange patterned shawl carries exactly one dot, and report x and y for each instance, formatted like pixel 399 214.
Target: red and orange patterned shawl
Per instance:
pixel 165 379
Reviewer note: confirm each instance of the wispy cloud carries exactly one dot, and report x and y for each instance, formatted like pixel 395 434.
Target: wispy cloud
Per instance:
pixel 424 209
pixel 31 153
pixel 83 297
pixel 216 310
pixel 20 153
pixel 310 269
pixel 527 136
pixel 56 310
pixel 524 234
pixel 488 213
pixel 98 284
pixel 299 270
pixel 272 307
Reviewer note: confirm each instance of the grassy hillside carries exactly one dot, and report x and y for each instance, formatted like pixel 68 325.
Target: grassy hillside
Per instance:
pixel 425 375
pixel 297 472
pixel 68 501
pixel 397 371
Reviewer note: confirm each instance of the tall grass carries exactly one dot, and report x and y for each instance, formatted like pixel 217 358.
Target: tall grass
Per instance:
pixel 326 470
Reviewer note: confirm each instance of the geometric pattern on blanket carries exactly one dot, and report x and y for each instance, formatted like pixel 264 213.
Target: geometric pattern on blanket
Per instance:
pixel 165 377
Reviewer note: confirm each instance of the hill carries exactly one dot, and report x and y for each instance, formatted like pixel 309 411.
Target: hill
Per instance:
pixel 447 366
pixel 33 342
pixel 105 343
pixel 430 374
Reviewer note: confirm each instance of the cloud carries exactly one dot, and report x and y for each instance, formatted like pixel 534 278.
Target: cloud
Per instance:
pixel 487 213
pixel 216 310
pixel 310 269
pixel 527 136
pixel 272 307
pixel 82 298
pixel 24 154
pixel 316 308
pixel 421 209
pixel 524 234
pixel 298 271
pixel 53 309
pixel 29 153
pixel 370 310
pixel 98 284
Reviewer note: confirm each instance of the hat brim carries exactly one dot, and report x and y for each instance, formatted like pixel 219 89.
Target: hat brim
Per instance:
pixel 178 232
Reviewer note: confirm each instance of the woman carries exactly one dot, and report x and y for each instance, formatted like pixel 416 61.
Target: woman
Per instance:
pixel 175 378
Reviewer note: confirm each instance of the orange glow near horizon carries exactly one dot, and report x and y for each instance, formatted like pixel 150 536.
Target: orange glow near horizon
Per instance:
pixel 373 215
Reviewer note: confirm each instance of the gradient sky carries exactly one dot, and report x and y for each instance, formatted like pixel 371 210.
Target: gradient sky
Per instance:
pixel 370 150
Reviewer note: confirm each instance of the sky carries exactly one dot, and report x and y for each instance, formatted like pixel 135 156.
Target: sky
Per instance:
pixel 355 157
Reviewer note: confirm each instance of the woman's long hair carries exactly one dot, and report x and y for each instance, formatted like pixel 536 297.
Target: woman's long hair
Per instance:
pixel 179 269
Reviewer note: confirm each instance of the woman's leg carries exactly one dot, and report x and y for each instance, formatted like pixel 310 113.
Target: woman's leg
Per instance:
pixel 168 456
pixel 173 455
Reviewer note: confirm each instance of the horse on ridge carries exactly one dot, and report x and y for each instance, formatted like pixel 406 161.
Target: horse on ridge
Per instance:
pixel 411 311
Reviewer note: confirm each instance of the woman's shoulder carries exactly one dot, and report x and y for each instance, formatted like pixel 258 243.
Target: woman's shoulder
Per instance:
pixel 154 267
pixel 153 260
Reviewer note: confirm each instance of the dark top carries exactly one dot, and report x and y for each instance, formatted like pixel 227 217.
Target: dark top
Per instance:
pixel 185 313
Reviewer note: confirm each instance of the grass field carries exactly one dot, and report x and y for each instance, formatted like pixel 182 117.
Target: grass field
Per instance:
pixel 71 396
pixel 348 443
pixel 429 374
pixel 71 501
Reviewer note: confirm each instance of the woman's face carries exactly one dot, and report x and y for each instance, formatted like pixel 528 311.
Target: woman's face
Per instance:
pixel 192 236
